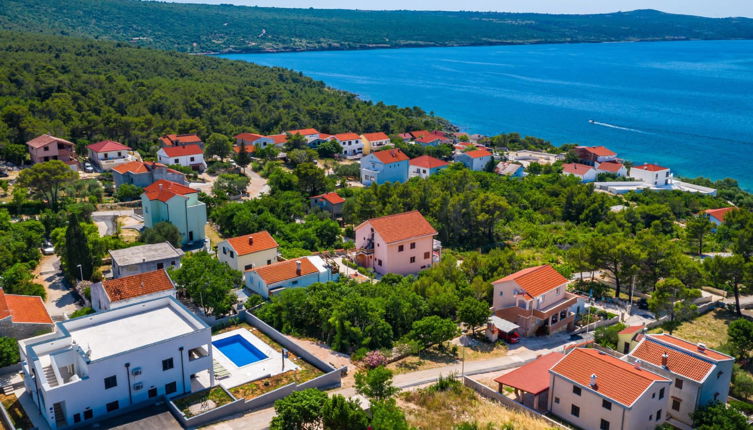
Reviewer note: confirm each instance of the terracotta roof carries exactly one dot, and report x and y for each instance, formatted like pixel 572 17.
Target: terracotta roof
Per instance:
pixel 304 131
pixel 254 242
pixel 347 136
pixel 371 137
pixel 632 329
pixel 108 146
pixel 284 270
pixel 45 140
pixel 429 138
pixel 600 151
pixel 249 136
pixel 279 138
pixel 249 148
pixel 180 139
pixel 388 156
pixel 332 198
pixel 419 133
pixel 610 166
pixel 140 167
pixel 536 280
pixel 576 168
pixel 690 347
pixel 23 309
pixel 616 380
pixel 164 190
pixel 532 377
pixel 478 153
pixel 678 362
pixel 651 167
pixel 719 213
pixel 427 162
pixel 181 151
pixel 402 226
pixel 138 285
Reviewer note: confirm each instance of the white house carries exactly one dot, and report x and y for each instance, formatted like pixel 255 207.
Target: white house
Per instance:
pixel 253 139
pixel 248 251
pixel 652 174
pixel 116 293
pixel 585 172
pixel 425 166
pixel 476 159
pixel 93 366
pixel 144 258
pixel 296 273
pixel 507 168
pixel 108 154
pixel 613 167
pixel 351 143
pixel 187 156
pixel 310 134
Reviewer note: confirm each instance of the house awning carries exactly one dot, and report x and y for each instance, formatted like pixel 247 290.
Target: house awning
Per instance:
pixel 503 325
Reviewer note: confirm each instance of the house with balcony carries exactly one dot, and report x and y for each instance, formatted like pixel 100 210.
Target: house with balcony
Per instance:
pixel 537 300
pixel 177 204
pixel 310 134
pixel 425 166
pixel 144 173
pixel 594 154
pixel 180 140
pixel 108 154
pixel 389 165
pixel 23 316
pixel 295 273
pixel 584 172
pixel 144 258
pixel 187 156
pixel 248 251
pixel 45 148
pixel 402 243
pixel 351 143
pixel 372 141
pixel 328 202
pixel 99 365
pixel 653 175
pixel 115 293
pixel 476 159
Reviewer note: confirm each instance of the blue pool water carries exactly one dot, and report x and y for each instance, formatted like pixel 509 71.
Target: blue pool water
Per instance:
pixel 240 351
pixel 688 105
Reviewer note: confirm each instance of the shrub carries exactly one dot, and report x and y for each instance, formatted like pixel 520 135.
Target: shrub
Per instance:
pixel 607 336
pixel 8 351
pixel 81 312
pixel 253 300
pixel 374 359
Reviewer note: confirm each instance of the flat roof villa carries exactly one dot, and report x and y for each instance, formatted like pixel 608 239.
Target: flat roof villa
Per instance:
pixel 144 258
pixel 94 365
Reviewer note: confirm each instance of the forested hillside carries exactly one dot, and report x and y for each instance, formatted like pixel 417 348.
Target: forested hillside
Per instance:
pixel 91 90
pixel 226 28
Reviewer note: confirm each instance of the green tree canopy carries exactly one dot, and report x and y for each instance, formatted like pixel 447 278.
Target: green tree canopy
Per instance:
pixel 229 184
pixel 162 232
pixel 673 299
pixel 300 410
pixel 47 179
pixel 208 282
pixel 719 416
pixel 9 351
pixel 740 334
pixel 218 145
pixel 376 383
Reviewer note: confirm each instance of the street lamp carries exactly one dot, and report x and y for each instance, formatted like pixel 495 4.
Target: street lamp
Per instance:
pixel 80 272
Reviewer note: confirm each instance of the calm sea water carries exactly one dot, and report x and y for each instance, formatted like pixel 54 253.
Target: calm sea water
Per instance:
pixel 686 105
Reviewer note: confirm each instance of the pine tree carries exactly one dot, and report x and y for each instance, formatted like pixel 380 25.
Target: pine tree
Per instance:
pixel 77 250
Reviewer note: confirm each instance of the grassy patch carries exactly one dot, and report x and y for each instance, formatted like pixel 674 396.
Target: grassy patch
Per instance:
pixel 709 328
pixel 16 412
pixel 212 234
pixel 439 356
pixel 216 395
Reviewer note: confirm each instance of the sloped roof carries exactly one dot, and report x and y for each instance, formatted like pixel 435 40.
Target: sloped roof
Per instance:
pixel 651 167
pixel 691 348
pixel 371 137
pixel 576 168
pixel 138 285
pixel 610 166
pixel 402 226
pixel 532 377
pixel 478 153
pixel 616 380
pixel 600 151
pixel 279 138
pixel 249 136
pixel 419 133
pixel 284 270
pixel 719 213
pixel 304 131
pixel 164 190
pixel 248 148
pixel 427 162
pixel 180 139
pixel 388 156
pixel 347 136
pixel 536 280
pixel 140 167
pixel 23 309
pixel 108 146
pixel 631 329
pixel 45 140
pixel 678 362
pixel 181 151
pixel 429 138
pixel 333 198
pixel 254 242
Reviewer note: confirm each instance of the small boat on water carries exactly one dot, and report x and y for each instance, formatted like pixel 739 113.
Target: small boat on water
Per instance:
pixel 590 121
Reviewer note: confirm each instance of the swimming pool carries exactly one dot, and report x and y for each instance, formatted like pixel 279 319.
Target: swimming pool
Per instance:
pixel 239 350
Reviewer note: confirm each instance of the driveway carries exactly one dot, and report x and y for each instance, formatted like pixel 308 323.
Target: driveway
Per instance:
pixel 60 300
pixel 257 186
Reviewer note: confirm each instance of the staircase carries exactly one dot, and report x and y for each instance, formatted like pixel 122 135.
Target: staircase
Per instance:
pixel 59 415
pixel 49 376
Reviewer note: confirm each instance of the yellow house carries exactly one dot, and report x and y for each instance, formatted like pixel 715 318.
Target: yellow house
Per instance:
pixel 628 338
pixel 374 141
pixel 249 251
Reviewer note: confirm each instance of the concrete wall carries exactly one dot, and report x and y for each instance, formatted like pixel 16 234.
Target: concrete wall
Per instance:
pixel 22 330
pixel 597 324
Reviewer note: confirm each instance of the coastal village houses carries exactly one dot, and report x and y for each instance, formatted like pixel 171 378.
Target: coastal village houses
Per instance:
pixel 402 243
pixel 584 172
pixel 23 316
pixel 178 205
pixel 310 134
pixel 594 154
pixel 328 202
pixel 372 141
pixel 389 165
pixel 144 258
pixel 295 273
pixel 476 159
pixel 180 140
pixel 651 174
pixel 45 148
pixel 351 144
pixel 108 154
pixel 613 167
pixel 425 166
pixel 248 251
pixel 144 173
pixel 187 156
pixel 717 215
pixel 252 140
pixel 116 293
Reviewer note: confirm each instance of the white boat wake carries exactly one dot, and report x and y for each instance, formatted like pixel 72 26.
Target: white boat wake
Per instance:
pixel 604 124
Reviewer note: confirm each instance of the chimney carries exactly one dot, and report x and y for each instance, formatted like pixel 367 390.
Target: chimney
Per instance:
pixel 664 359
pixel 593 380
pixel 250 240
pixel 298 267
pixel 637 364
pixel 701 347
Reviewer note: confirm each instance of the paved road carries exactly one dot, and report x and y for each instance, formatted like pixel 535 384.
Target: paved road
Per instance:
pixel 60 300
pixel 745 301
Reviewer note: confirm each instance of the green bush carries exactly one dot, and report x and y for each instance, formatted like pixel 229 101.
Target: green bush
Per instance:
pixel 8 351
pixel 82 312
pixel 607 336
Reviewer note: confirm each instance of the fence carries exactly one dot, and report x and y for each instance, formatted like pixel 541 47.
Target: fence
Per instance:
pixel 702 309
pixel 597 324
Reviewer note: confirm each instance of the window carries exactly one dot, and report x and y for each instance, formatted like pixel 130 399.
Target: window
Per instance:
pixel 501 293
pixel 427 255
pixel 651 417
pixel 400 248
pixel 563 315
pixel 604 424
pixel 269 261
pixel 653 395
pixel 661 393
pixel 160 266
pixel 719 374
pixel 167 364
pixel 658 415
pixel 171 388
pixel 224 250
pixel 88 414
pixel 557 400
pixel 678 383
pixel 606 404
pixel 554 318
pixel 46 148
pixel 716 396
pixel 295 282
pixel 379 262
pixel 248 267
pixel 192 158
pixel 152 392
pixel 576 390
pixel 575 411
pixel 76 418
pixel 232 254
pixel 175 161
pixel 557 291
pixel 676 404
pixel 413 259
pixel 112 406
pixel 413 245
pixel 111 381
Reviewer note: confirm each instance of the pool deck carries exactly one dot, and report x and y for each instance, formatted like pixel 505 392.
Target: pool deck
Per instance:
pixel 270 366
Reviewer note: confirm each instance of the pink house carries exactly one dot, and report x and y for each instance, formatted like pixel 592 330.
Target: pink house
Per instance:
pixel 401 243
pixel 45 148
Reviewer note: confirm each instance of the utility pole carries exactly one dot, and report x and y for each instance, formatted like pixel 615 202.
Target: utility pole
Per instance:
pixel 80 272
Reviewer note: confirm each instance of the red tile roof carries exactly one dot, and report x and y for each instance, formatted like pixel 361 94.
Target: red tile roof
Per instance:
pixel 427 162
pixel 610 166
pixel 285 270
pixel 249 136
pixel 108 146
pixel 719 213
pixel 163 190
pixel 140 167
pixel 182 151
pixel 478 153
pixel 388 156
pixel 616 380
pixel 399 227
pixel 690 347
pixel 576 168
pixel 600 151
pixel 429 138
pixel 371 137
pixel 254 242
pixel 632 329
pixel 532 377
pixel 249 148
pixel 279 138
pixel 678 362
pixel 536 280
pixel 651 167
pixel 332 198
pixel 180 139
pixel 347 136
pixel 138 285
pixel 419 133
pixel 23 309
pixel 45 140
pixel 304 131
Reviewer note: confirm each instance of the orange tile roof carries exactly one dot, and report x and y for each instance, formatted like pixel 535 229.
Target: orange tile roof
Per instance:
pixel 108 146
pixel 536 280
pixel 690 347
pixel 304 131
pixel 371 137
pixel 138 285
pixel 45 140
pixel 610 166
pixel 478 153
pixel 429 138
pixel 140 167
pixel 419 133
pixel 249 148
pixel 181 151
pixel 164 190
pixel 279 138
pixel 532 377
pixel 632 329
pixel 284 270
pixel 402 226
pixel 678 362
pixel 576 168
pixel 254 242
pixel 347 136
pixel 600 151
pixel 719 213
pixel 23 309
pixel 650 167
pixel 332 198
pixel 388 156
pixel 249 136
pixel 427 162
pixel 616 380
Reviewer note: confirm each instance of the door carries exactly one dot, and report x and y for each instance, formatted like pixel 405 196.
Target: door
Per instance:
pixel 190 236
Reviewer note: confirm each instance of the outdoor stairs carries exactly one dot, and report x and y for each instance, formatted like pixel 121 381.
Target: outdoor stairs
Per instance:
pixel 49 375
pixel 59 416
pixel 8 390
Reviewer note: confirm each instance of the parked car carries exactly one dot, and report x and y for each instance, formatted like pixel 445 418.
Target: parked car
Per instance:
pixel 47 248
pixel 88 168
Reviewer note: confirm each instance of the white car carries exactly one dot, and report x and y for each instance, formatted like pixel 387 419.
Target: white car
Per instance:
pixel 88 168
pixel 47 248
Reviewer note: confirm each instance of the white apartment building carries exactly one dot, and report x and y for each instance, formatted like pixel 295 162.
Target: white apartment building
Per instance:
pixel 94 365
pixel 652 174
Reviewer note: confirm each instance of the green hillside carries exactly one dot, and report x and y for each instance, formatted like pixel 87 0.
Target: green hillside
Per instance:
pixel 226 28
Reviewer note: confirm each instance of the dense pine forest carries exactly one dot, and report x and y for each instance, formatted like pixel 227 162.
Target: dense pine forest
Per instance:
pixel 226 28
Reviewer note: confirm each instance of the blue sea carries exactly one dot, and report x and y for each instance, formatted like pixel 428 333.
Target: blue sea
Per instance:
pixel 686 105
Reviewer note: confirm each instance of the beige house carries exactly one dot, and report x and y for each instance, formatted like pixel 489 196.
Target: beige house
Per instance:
pixel 247 252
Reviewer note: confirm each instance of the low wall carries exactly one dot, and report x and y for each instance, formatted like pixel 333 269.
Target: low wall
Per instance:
pixel 5 420
pixel 597 324
pixel 13 368
pixel 702 309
